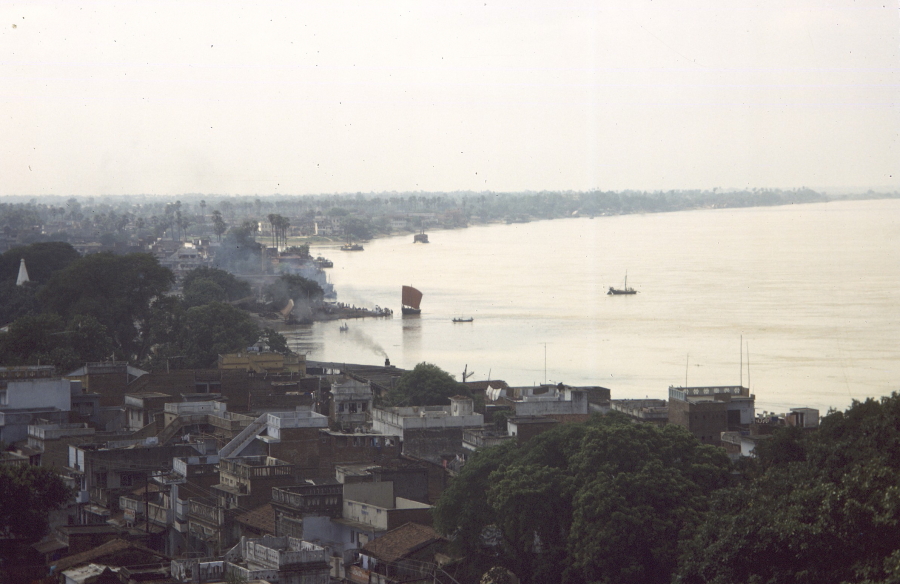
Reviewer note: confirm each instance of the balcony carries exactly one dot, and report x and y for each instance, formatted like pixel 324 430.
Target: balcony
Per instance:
pixel 160 515
pixel 256 467
pixel 206 511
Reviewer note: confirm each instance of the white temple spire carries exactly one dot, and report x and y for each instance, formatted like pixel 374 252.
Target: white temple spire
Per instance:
pixel 23 274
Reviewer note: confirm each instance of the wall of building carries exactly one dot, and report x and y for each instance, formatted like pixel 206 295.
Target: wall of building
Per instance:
pixel 38 393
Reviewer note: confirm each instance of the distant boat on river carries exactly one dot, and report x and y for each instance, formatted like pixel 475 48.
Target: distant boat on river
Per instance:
pixel 461 319
pixel 624 290
pixel 350 246
pixel 410 299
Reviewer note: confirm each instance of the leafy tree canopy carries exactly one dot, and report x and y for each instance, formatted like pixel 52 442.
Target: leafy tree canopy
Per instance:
pixel 117 290
pixel 228 287
pixel 41 259
pixel 426 385
pixel 27 495
pixel 44 339
pixel 818 507
pixel 198 335
pixel 604 501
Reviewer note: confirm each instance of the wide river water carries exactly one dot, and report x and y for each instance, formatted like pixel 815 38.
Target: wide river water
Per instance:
pixel 813 290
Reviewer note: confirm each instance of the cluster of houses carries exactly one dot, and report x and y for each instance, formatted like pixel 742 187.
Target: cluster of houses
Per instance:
pixel 265 468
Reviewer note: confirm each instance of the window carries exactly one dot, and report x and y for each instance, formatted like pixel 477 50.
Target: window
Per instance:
pixel 364 405
pixel 352 407
pixel 340 407
pixel 126 480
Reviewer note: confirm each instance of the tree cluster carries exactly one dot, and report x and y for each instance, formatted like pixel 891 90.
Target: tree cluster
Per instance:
pixel 425 385
pixel 604 501
pixel 816 507
pixel 106 306
pixel 27 496
pixel 614 502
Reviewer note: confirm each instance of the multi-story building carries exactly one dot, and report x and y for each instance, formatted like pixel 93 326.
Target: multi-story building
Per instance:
pixel 706 412
pixel 351 404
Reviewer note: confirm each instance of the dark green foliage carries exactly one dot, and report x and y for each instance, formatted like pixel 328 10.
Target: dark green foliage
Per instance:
pixel 824 507
pixel 17 301
pixel 197 336
pixel 41 259
pixel 276 341
pixel 27 495
pixel 426 385
pixel 300 250
pixel 117 290
pixel 204 285
pixel 357 228
pixel 605 501
pixel 44 339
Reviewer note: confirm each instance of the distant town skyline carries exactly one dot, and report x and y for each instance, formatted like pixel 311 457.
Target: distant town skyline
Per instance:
pixel 168 98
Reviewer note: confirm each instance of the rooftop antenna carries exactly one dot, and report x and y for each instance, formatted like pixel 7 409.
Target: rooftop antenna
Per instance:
pixel 465 375
pixel 741 351
pixel 748 365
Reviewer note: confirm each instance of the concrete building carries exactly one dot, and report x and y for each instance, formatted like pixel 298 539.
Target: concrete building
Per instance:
pixel 369 511
pixel 432 434
pixel 351 404
pixel 108 379
pixel 263 362
pixel 706 412
pixel 24 400
pixel 405 554
pixel 653 411
pixel 400 421
pixel 278 560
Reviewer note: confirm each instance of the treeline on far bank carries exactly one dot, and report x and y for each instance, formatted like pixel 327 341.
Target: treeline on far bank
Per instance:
pixel 121 307
pixel 611 501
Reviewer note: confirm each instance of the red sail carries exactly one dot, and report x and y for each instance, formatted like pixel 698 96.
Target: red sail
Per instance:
pixel 411 297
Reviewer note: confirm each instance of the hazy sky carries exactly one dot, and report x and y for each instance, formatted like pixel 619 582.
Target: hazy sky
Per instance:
pixel 319 97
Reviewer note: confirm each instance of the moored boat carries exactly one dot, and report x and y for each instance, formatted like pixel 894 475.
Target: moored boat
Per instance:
pixel 466 319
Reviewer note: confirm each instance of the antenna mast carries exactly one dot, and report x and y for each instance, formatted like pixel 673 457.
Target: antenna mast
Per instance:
pixel 545 363
pixel 748 365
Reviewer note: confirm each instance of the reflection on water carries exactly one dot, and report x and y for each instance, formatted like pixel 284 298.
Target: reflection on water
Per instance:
pixel 810 287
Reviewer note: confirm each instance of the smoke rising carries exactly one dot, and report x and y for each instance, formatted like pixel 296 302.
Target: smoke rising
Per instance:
pixel 366 341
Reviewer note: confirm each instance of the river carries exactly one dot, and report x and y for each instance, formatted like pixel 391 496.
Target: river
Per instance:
pixel 811 289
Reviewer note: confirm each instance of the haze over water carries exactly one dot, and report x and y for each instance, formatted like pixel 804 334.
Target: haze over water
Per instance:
pixel 812 289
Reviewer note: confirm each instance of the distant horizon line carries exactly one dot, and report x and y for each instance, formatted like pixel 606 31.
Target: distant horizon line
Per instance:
pixel 828 191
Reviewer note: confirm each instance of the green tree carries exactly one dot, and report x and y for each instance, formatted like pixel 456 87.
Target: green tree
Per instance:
pixel 232 287
pixel 219 225
pixel 300 250
pixel 426 385
pixel 27 496
pixel 275 341
pixel 41 259
pixel 200 334
pixel 604 501
pixel 820 506
pixel 116 290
